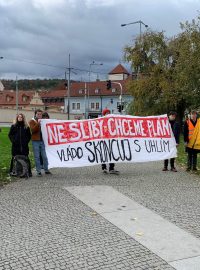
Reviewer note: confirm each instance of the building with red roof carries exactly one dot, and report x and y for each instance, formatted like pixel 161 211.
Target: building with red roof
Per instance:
pixel 86 99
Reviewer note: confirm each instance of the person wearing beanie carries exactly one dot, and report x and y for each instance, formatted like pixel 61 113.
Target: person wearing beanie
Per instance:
pixel 105 112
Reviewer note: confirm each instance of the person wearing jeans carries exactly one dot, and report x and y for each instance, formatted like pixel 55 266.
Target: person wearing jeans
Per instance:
pixel 39 151
pixel 38 144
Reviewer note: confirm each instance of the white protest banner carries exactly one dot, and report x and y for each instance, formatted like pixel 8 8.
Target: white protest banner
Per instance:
pixel 110 139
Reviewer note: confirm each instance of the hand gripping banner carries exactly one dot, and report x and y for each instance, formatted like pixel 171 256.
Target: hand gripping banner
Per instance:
pixel 110 139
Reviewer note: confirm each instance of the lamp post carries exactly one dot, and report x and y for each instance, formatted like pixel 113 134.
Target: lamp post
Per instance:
pixel 141 23
pixel 88 95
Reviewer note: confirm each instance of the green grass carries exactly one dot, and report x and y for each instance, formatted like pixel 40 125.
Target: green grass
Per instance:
pixel 5 154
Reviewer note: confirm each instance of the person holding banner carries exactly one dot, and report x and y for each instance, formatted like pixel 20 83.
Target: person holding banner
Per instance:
pixel 38 144
pixel 176 131
pixel 111 165
pixel 192 140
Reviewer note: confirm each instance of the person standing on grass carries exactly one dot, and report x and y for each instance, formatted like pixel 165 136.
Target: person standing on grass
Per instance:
pixel 38 144
pixel 20 137
pixel 176 131
pixel 192 140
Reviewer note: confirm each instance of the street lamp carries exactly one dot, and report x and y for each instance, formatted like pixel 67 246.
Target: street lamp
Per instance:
pixel 91 64
pixel 141 23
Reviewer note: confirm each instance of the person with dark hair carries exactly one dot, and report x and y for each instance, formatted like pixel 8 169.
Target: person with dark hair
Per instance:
pixel 20 137
pixel 38 144
pixel 45 115
pixel 111 165
pixel 176 131
pixel 191 127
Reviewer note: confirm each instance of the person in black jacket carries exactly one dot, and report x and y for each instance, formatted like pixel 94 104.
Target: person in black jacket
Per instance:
pixel 176 130
pixel 20 137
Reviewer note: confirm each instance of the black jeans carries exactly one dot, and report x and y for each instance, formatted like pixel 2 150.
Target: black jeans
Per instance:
pixel 192 158
pixel 111 166
pixel 166 161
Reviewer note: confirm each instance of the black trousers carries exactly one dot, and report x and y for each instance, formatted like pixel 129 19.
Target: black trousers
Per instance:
pixel 192 158
pixel 166 161
pixel 111 166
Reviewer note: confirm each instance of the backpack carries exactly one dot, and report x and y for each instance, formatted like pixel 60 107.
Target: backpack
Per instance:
pixel 21 166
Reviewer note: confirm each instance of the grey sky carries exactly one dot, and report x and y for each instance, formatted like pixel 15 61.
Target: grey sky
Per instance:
pixel 46 31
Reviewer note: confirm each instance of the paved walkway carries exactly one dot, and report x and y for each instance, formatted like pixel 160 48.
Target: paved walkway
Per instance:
pixel 83 219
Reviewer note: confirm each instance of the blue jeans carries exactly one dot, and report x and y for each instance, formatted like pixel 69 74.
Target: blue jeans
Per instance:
pixel 39 148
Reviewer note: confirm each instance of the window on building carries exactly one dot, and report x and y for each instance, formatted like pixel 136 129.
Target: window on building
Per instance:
pixel 80 91
pixel 8 98
pixel 113 90
pixel 73 106
pixel 24 98
pixel 76 106
pixel 97 105
pixel 96 91
pixel 92 105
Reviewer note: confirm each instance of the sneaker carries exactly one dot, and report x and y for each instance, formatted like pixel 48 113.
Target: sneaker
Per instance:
pixel 48 172
pixel 194 169
pixel 164 169
pixel 39 174
pixel 113 172
pixel 188 169
pixel 105 171
pixel 173 169
pixel 30 175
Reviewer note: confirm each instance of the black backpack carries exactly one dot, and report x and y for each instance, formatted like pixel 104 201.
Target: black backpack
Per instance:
pixel 20 166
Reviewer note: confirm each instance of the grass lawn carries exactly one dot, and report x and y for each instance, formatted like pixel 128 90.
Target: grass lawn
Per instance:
pixel 5 153
pixel 5 150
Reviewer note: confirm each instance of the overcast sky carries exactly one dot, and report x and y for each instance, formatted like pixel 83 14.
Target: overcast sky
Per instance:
pixel 47 31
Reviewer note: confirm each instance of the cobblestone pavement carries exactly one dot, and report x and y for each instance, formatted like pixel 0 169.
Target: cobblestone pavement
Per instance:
pixel 42 226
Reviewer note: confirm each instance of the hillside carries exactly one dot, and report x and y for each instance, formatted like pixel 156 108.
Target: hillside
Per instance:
pixel 32 84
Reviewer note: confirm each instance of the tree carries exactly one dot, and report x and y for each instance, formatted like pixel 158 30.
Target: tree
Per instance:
pixel 168 71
